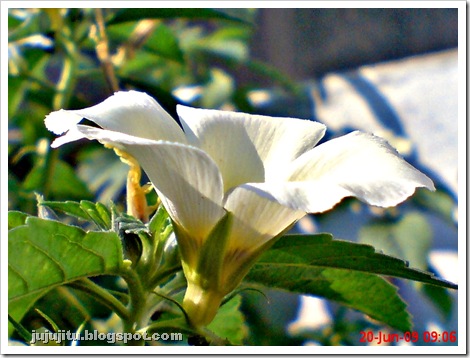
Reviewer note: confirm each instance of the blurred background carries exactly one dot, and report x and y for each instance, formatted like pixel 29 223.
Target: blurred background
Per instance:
pixel 393 72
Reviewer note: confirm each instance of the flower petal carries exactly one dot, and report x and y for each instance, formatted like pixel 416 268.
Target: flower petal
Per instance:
pixel 134 113
pixel 186 179
pixel 357 164
pixel 256 219
pixel 249 148
pixel 72 135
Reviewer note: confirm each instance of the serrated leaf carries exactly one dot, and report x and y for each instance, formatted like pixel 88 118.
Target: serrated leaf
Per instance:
pixel 229 323
pixel 341 271
pixel 133 14
pixel 43 254
pixel 364 292
pixel 71 208
pixel 323 251
pixel 85 210
pixel 159 222
pixel 100 215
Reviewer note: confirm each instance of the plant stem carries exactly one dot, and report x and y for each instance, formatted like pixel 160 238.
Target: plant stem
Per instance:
pixel 103 295
pixel 164 275
pixel 102 51
pixel 137 301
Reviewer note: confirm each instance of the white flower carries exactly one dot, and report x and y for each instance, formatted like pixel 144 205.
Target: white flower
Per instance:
pixel 266 172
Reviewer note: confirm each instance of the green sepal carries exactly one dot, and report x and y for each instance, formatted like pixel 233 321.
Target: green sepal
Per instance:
pixel 212 254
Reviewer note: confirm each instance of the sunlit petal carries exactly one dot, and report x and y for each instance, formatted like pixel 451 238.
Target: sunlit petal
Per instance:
pixel 256 218
pixel 249 148
pixel 314 196
pixel 72 135
pixel 356 164
pixel 133 113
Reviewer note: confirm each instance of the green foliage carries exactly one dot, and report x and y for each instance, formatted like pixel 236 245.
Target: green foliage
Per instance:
pixel 393 238
pixel 98 213
pixel 59 254
pixel 341 271
pixel 43 254
pixel 16 218
pixel 322 251
pixel 125 15
pixel 229 323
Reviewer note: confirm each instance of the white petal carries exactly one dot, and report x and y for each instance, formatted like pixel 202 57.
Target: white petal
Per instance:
pixel 356 164
pixel 71 136
pixel 61 121
pixel 186 179
pixel 111 137
pixel 256 219
pixel 249 148
pixel 133 113
pixel 313 196
pixel 189 181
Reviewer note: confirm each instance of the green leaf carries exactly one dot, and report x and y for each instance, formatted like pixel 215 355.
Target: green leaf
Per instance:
pixel 231 49
pixel 323 251
pixel 229 323
pixel 16 218
pixel 271 72
pixel 85 210
pixel 43 254
pixel 99 213
pixel 49 320
pixel 66 184
pixel 342 271
pixel 71 208
pixel 393 238
pixel 367 293
pixel 440 202
pixel 23 332
pixel 164 43
pixel 160 223
pixel 135 14
pixel 441 298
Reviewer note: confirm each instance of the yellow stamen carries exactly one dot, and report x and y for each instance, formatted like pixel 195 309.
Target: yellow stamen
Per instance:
pixel 135 193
